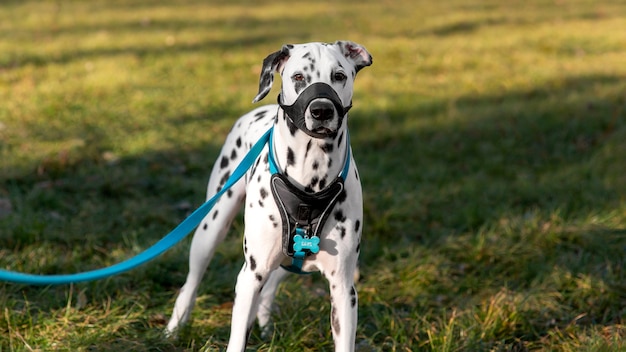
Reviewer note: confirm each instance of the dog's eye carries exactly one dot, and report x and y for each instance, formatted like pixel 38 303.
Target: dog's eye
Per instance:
pixel 298 77
pixel 340 76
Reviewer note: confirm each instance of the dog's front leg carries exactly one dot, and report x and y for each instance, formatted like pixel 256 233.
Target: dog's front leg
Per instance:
pixel 262 256
pixel 247 290
pixel 344 309
pixel 266 301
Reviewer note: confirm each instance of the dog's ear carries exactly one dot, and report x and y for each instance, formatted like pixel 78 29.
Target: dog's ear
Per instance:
pixel 272 63
pixel 355 52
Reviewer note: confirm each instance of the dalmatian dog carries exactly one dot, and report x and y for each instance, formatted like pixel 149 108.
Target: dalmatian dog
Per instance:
pixel 302 196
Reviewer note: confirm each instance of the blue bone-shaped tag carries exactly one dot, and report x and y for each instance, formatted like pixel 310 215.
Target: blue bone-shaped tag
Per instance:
pixel 301 243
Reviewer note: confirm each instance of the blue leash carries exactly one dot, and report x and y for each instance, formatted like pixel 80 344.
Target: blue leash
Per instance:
pixel 181 231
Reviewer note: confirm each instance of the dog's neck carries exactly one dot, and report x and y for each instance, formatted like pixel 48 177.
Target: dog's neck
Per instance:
pixel 310 163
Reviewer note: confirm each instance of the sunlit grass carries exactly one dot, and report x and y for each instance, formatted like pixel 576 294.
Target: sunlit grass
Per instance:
pixel 490 138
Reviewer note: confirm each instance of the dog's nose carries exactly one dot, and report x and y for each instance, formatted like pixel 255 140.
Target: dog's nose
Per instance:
pixel 322 110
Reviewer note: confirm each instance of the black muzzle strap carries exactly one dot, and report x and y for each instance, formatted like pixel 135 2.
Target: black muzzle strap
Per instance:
pixel 297 110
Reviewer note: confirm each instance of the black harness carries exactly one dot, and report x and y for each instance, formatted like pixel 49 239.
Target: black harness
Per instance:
pixel 304 214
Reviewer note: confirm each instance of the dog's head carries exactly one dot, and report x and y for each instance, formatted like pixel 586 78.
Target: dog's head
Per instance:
pixel 317 82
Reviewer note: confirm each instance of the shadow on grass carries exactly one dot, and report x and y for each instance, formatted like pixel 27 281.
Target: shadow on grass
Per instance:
pixel 520 158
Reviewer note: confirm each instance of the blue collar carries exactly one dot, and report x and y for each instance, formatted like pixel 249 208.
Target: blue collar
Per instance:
pixel 274 168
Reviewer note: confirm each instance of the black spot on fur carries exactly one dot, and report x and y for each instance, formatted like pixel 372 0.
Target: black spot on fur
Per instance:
pixel 328 148
pixel 274 223
pixel 215 214
pixel 238 142
pixel 263 193
pixel 261 204
pixel 291 158
pixel 314 181
pixel 205 226
pixel 259 115
pixel 252 263
pixel 358 247
pixel 233 154
pixel 353 299
pixel 322 183
pixel 260 278
pixel 339 216
pixel 342 231
pixel 339 139
pixel 357 225
pixel 224 179
pixel 315 165
pixel 224 162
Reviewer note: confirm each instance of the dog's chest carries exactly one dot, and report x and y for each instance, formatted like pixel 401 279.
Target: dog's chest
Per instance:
pixel 310 164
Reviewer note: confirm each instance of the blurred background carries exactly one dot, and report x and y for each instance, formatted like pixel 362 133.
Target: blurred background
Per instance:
pixel 490 137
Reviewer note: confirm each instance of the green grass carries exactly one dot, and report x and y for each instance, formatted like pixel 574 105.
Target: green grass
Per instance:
pixel 491 140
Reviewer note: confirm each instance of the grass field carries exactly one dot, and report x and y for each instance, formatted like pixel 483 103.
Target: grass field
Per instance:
pixel 490 135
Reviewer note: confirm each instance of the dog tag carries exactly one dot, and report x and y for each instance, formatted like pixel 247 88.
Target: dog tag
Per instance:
pixel 302 243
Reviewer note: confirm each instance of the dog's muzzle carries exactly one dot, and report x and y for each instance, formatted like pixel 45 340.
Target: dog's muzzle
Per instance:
pixel 319 90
